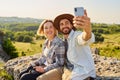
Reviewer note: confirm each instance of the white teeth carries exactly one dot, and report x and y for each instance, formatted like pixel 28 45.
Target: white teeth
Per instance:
pixel 49 32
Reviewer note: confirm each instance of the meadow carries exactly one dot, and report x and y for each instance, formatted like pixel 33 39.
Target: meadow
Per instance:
pixel 109 48
pixel 26 49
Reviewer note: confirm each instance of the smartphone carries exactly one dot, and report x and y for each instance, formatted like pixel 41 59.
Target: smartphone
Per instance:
pixel 79 11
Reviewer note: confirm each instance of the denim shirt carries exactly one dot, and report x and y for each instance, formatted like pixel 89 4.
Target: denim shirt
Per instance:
pixel 79 54
pixel 55 57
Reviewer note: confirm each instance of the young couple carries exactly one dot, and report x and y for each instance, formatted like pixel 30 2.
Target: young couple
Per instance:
pixel 68 59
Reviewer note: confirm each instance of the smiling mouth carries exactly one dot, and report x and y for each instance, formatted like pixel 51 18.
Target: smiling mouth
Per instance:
pixel 66 28
pixel 49 32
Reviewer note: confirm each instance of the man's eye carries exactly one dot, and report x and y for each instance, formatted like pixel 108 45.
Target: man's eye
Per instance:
pixel 61 24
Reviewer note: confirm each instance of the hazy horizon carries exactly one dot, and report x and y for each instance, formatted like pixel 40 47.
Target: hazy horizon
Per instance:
pixel 100 11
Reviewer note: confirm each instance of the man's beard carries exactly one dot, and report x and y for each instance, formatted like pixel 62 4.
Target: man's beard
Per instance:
pixel 66 31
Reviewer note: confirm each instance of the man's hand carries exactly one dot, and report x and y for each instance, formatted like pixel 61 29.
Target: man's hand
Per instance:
pixel 83 22
pixel 39 69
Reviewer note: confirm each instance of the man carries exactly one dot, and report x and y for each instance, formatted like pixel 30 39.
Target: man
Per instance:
pixel 79 60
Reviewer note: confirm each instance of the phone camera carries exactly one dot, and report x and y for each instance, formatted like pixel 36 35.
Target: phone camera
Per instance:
pixel 75 9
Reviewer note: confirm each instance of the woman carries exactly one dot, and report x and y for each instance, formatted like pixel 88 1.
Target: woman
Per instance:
pixel 49 66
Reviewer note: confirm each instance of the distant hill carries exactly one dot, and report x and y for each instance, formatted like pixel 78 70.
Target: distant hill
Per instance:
pixel 19 20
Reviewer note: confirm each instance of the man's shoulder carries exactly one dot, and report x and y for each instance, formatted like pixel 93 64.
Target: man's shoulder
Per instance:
pixel 76 33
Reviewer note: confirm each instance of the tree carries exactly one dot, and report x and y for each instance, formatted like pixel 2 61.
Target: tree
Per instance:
pixel 1 37
pixel 27 38
pixel 19 38
pixel 99 37
pixel 9 48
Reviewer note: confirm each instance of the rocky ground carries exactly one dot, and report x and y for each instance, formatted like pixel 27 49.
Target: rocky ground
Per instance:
pixel 106 68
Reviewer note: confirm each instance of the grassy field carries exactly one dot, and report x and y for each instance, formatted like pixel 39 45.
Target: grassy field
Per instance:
pixel 111 45
pixel 29 48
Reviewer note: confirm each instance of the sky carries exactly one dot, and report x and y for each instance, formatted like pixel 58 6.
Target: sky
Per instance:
pixel 99 11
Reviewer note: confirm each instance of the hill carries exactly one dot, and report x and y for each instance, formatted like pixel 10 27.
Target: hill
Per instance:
pixel 19 20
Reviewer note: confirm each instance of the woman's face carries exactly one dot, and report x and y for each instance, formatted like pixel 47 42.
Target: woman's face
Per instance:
pixel 49 30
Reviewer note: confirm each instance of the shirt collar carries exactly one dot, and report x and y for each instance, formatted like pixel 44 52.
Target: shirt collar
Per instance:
pixel 71 34
pixel 53 41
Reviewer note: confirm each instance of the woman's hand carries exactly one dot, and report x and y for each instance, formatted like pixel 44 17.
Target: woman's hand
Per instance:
pixel 39 69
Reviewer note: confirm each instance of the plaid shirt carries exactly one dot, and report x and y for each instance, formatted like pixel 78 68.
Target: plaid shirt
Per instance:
pixel 55 57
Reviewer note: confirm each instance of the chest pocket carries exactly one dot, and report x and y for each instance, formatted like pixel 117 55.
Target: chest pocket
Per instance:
pixel 72 49
pixel 52 54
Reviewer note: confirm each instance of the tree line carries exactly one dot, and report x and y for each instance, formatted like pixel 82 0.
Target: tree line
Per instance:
pixel 25 32
pixel 99 29
pixel 21 32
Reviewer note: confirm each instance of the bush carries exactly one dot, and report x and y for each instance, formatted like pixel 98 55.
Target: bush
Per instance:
pixel 9 48
pixel 27 38
pixel 19 38
pixel 23 53
pixel 99 37
pixel 23 36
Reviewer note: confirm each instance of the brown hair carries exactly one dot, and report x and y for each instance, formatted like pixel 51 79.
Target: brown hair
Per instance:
pixel 41 27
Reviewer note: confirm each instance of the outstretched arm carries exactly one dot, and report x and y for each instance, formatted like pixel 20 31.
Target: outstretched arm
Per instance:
pixel 83 22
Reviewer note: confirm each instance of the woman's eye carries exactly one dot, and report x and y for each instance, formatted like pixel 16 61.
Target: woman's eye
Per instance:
pixel 46 27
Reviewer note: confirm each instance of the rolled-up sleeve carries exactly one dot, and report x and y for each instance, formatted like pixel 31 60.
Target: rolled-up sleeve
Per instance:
pixel 39 61
pixel 80 40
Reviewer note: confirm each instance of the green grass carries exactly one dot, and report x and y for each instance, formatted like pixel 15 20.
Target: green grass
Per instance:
pixel 3 73
pixel 113 38
pixel 1 64
pixel 110 47
pixel 29 48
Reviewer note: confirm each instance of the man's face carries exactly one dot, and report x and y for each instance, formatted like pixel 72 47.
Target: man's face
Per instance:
pixel 65 26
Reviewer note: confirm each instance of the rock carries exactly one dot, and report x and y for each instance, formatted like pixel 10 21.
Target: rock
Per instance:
pixel 106 68
pixel 15 66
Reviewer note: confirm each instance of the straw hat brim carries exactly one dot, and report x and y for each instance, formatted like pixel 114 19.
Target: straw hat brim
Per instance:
pixel 62 16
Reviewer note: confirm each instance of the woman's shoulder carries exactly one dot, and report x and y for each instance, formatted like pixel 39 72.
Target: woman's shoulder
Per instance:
pixel 59 40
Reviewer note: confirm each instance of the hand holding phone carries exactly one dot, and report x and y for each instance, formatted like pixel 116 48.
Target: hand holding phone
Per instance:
pixel 79 11
pixel 82 22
